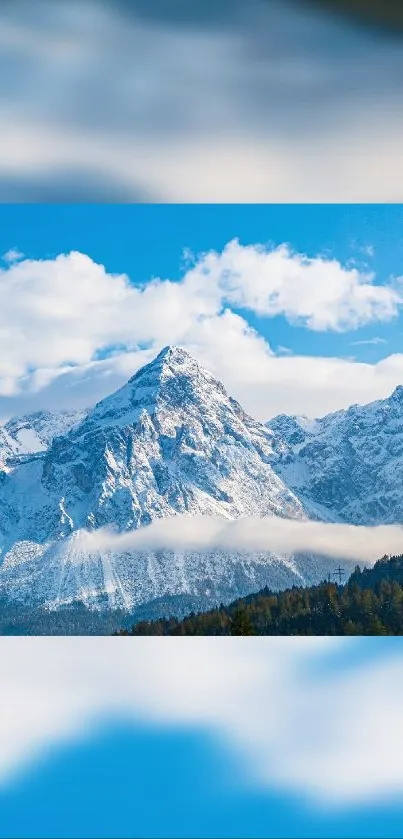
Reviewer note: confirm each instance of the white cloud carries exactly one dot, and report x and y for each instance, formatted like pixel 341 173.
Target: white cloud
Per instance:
pixel 295 722
pixel 281 536
pixel 316 292
pixel 374 341
pixel 57 315
pixel 60 311
pixel 12 255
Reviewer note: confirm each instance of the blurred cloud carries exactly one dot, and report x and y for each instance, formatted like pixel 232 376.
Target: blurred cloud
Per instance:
pixel 268 699
pixel 67 184
pixel 381 13
pixel 261 101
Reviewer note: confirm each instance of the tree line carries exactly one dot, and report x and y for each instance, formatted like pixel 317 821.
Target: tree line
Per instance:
pixel 369 603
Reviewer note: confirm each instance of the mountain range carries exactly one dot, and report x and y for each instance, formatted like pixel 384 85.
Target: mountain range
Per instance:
pixel 173 441
pixel 348 464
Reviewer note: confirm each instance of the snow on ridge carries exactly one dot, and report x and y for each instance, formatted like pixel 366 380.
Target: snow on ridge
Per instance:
pixel 33 433
pixel 172 441
pixel 350 461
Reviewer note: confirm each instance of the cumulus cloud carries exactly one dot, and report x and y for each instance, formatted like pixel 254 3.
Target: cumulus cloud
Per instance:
pixel 281 536
pixel 59 312
pixel 316 292
pixel 71 332
pixel 269 700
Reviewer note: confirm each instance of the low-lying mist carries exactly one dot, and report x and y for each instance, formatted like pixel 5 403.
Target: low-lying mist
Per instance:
pixel 283 536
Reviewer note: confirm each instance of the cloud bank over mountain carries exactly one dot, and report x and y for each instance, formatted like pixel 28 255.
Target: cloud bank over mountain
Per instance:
pixel 71 331
pixel 281 536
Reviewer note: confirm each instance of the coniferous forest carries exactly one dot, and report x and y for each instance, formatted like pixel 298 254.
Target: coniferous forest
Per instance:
pixel 369 603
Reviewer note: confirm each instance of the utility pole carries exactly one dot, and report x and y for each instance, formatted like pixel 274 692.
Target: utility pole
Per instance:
pixel 339 573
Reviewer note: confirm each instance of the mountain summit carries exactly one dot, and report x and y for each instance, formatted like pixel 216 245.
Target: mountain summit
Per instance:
pixel 170 441
pixel 173 378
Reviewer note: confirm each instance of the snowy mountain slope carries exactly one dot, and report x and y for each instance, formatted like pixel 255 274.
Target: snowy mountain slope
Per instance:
pixel 34 432
pixel 170 441
pixel 348 464
pixel 63 572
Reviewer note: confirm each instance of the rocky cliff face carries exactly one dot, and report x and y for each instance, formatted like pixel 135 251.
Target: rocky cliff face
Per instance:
pixel 170 441
pixel 346 466
pixel 34 433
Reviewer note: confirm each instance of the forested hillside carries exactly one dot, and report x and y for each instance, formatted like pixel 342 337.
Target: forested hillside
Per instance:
pixel 370 603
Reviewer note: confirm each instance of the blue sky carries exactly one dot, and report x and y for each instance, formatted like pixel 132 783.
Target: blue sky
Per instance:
pixel 147 242
pixel 183 760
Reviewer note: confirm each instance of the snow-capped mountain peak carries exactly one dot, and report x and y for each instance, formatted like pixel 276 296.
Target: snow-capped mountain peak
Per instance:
pixel 172 441
pixel 349 462
pixel 175 442
pixel 173 378
pixel 169 441
pixel 33 433
pixel 397 395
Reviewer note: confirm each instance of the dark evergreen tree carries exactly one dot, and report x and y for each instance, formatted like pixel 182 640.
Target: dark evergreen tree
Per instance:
pixel 241 623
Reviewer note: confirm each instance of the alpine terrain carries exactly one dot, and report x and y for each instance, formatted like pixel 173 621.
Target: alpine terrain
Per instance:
pixel 172 441
pixel 348 465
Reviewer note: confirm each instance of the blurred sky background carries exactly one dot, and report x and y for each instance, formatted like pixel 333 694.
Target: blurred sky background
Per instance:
pixel 149 100
pixel 194 101
pixel 201 737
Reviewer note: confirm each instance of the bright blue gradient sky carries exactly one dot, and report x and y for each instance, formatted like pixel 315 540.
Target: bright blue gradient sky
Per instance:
pixel 341 356
pixel 246 738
